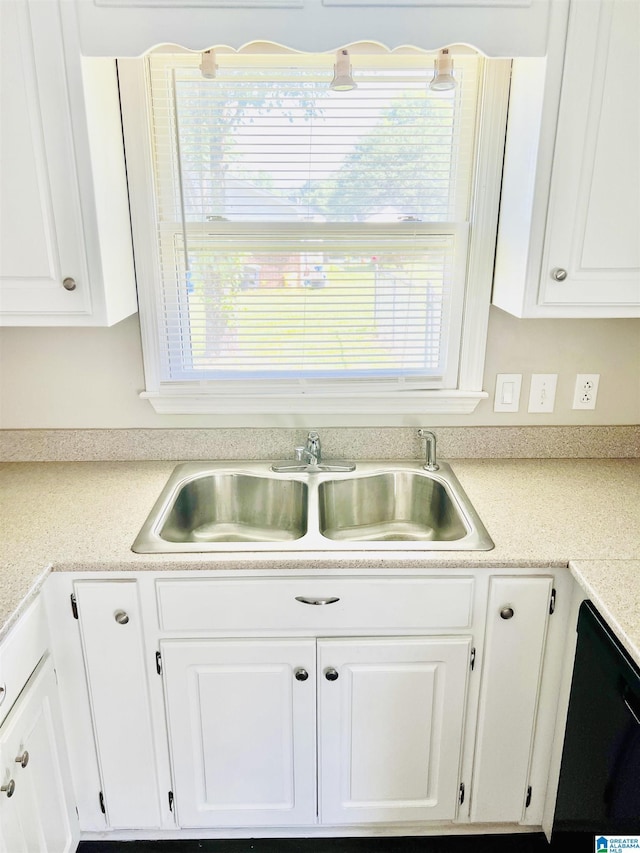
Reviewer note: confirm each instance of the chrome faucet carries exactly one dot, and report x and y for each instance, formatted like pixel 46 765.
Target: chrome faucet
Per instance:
pixel 309 458
pixel 430 463
pixel 311 453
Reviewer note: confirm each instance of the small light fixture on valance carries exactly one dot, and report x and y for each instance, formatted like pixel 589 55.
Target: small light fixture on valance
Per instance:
pixel 342 79
pixel 443 79
pixel 208 67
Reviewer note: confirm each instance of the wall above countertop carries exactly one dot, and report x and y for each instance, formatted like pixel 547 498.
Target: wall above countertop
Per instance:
pixel 91 379
pixel 91 445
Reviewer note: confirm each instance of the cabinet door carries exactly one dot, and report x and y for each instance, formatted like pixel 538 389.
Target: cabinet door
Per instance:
pixel 594 210
pixel 39 816
pixel 116 670
pixel 517 617
pixel 391 713
pixel 242 731
pixel 41 236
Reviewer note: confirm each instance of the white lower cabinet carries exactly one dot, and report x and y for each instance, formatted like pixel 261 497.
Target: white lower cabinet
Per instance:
pixel 517 618
pixel 228 703
pixel 116 672
pixel 390 720
pixel 243 729
pixel 241 720
pixel 36 811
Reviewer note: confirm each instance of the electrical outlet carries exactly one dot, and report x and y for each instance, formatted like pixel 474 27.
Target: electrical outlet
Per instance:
pixel 586 391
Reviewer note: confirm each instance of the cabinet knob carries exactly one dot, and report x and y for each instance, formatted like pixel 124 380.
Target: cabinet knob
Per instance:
pixel 301 674
pixel 558 274
pixel 23 759
pixel 506 613
pixel 3 692
pixel 9 788
pixel 69 283
pixel 331 674
pixel 121 617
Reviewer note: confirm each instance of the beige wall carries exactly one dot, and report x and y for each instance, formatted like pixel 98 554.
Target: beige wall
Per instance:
pixel 90 378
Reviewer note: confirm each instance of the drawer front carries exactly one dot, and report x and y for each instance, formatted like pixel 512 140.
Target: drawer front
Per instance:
pixel 288 604
pixel 20 652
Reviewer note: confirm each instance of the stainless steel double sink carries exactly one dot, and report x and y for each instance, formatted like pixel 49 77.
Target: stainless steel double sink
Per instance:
pixel 227 506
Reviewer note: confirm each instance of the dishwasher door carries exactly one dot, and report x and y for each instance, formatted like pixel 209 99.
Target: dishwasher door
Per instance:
pixel 599 787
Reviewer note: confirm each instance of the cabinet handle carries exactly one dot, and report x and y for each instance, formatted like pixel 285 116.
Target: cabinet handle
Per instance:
pixel 23 759
pixel 121 617
pixel 331 599
pixel 9 788
pixel 3 692
pixel 69 283
pixel 301 674
pixel 331 674
pixel 506 613
pixel 558 274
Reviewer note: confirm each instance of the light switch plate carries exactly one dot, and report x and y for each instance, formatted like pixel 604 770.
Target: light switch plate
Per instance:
pixel 507 396
pixel 542 393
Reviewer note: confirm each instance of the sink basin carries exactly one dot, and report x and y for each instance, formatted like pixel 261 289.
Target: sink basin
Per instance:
pixel 245 506
pixel 230 507
pixel 397 505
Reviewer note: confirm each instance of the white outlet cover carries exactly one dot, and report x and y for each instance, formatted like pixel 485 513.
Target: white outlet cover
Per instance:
pixel 585 394
pixel 507 396
pixel 542 393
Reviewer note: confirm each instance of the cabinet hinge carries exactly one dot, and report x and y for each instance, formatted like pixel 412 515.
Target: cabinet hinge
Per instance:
pixel 159 663
pixel 527 802
pixel 74 605
pixel 170 801
pixel 552 602
pixel 472 660
pixel 101 798
pixel 461 794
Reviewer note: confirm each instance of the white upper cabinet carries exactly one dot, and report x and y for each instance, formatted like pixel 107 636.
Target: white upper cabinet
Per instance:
pixel 576 251
pixel 65 247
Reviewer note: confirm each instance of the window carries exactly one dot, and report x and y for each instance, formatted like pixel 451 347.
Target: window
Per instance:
pixel 308 249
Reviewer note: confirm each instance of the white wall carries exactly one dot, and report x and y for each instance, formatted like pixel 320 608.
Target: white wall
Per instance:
pixel 90 378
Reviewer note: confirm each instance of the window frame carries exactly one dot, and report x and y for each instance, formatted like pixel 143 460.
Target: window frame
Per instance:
pixel 343 396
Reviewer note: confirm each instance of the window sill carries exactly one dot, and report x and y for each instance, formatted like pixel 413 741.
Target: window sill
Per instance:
pixel 189 402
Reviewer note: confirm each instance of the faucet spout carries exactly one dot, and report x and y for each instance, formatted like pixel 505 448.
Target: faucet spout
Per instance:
pixel 313 449
pixel 430 439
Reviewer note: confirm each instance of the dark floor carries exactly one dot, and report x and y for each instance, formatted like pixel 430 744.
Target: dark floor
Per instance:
pixel 577 842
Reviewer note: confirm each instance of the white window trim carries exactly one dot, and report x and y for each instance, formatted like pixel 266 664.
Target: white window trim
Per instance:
pixel 172 398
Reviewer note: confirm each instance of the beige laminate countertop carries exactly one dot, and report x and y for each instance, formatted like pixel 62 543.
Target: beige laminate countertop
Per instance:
pixel 581 513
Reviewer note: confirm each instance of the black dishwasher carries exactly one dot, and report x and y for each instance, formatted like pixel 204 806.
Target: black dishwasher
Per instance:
pixel 599 787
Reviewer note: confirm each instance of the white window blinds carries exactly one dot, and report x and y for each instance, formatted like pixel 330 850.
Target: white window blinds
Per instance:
pixel 311 236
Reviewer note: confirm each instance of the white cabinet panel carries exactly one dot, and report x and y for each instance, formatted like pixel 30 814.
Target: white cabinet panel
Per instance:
pixel 42 235
pixel 242 731
pixel 268 605
pixel 593 230
pixel 116 671
pixel 390 728
pixel 517 615
pixel 569 235
pixel 66 256
pixel 39 816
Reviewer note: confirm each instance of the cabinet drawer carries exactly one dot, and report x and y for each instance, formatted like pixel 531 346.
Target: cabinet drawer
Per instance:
pixel 351 603
pixel 20 652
